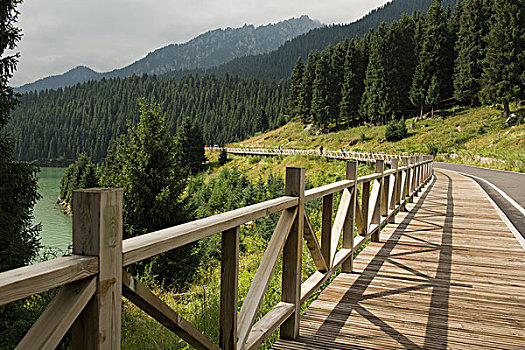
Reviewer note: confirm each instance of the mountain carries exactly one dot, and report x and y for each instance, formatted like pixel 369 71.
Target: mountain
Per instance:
pixel 278 64
pixel 206 50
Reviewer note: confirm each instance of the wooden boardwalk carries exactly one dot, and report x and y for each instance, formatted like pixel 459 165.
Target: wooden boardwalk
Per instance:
pixel 448 275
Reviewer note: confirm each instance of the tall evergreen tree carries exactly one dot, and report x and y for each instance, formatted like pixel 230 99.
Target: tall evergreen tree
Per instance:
pixel 305 93
pixel 321 90
pixel 432 98
pixel 295 87
pixel 432 57
pixel 261 121
pixel 504 65
pixel 377 101
pixel 470 47
pixel 337 63
pixel 146 165
pixel 352 88
pixel 191 145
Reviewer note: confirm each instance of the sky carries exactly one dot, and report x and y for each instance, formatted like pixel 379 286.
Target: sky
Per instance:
pixel 107 34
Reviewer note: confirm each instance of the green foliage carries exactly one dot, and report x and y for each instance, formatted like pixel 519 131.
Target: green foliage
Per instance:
pixel 86 117
pixel 396 130
pixel 190 143
pixel 320 108
pixel 146 164
pixel 470 46
pixel 295 88
pixel 223 156
pixel 432 98
pixel 81 174
pixel 261 121
pixel 504 65
pixel 353 78
pixel 304 102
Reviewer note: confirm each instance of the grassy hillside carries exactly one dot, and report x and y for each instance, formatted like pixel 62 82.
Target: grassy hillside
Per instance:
pixel 473 136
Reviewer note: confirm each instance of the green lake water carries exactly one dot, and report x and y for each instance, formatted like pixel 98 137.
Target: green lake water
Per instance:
pixel 56 227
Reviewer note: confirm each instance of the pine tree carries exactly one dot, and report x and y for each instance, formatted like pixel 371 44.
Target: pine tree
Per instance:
pixel 470 46
pixel 261 120
pixel 146 165
pixel 305 92
pixel 432 98
pixel 352 88
pixel 504 65
pixel 321 90
pixel 295 87
pixel 432 57
pixel 191 144
pixel 337 63
pixel 376 104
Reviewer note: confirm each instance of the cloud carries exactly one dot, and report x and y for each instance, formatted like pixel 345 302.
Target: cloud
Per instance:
pixel 108 34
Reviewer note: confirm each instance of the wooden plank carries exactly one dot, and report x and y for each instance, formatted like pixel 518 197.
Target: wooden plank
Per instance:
pixel 313 245
pixel 326 228
pixel 379 202
pixel 375 200
pixel 141 296
pixel 28 280
pixel 322 191
pixel 359 220
pixel 340 219
pixel 264 328
pixel 365 203
pixel 57 318
pixel 348 227
pixel 262 277
pixel 154 243
pixel 97 230
pixel 229 289
pixel 293 255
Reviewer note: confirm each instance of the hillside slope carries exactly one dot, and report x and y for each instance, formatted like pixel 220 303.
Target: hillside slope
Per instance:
pixel 206 50
pixel 473 136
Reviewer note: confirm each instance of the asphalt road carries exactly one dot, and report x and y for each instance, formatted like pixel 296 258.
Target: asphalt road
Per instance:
pixel 513 184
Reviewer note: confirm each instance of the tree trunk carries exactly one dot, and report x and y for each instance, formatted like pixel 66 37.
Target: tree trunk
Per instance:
pixel 506 110
pixel 432 115
pixel 421 113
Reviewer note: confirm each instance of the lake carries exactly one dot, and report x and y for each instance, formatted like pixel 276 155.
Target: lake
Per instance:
pixel 56 227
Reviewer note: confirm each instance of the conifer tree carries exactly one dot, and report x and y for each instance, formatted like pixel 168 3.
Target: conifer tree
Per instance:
pixel 261 121
pixel 336 79
pixel 376 105
pixel 352 88
pixel 504 64
pixel 470 46
pixel 321 90
pixel 305 92
pixel 432 57
pixel 432 98
pixel 295 87
pixel 191 144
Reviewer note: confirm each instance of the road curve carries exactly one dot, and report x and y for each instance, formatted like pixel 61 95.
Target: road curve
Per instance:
pixel 511 183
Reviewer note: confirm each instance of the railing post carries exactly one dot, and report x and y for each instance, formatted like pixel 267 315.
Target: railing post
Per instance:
pixel 229 289
pixel 404 189
pixel 365 203
pixel 348 227
pixel 292 254
pixel 97 231
pixel 412 181
pixel 376 213
pixel 326 228
pixel 394 201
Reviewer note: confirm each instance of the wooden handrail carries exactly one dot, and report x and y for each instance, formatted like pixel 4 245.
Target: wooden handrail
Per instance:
pixel 99 251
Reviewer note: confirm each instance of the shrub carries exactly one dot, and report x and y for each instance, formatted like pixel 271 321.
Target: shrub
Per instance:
pixel 223 156
pixel 396 130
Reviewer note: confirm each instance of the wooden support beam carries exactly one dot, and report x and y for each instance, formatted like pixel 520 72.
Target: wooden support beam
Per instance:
pixel 326 228
pixel 348 227
pixel 59 315
pixel 262 277
pixel 365 202
pixel 359 220
pixel 264 328
pixel 97 231
pixel 313 245
pixel 141 296
pixel 229 289
pixel 376 215
pixel 292 255
pixel 339 222
pixel 394 192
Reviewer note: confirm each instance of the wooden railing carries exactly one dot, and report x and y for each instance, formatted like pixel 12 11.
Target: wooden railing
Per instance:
pixel 341 154
pixel 93 280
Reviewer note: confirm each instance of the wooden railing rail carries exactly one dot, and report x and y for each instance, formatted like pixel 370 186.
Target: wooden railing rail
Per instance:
pixel 93 280
pixel 331 154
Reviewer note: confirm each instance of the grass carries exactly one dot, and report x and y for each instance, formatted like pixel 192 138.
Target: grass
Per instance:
pixel 472 136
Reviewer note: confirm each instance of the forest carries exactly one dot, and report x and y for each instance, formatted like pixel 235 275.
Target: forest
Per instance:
pixel 415 65
pixel 61 124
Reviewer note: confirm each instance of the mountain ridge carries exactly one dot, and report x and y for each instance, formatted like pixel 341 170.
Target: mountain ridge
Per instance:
pixel 206 50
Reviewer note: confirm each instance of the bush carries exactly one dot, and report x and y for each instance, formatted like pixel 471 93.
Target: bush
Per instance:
pixel 223 156
pixel 396 130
